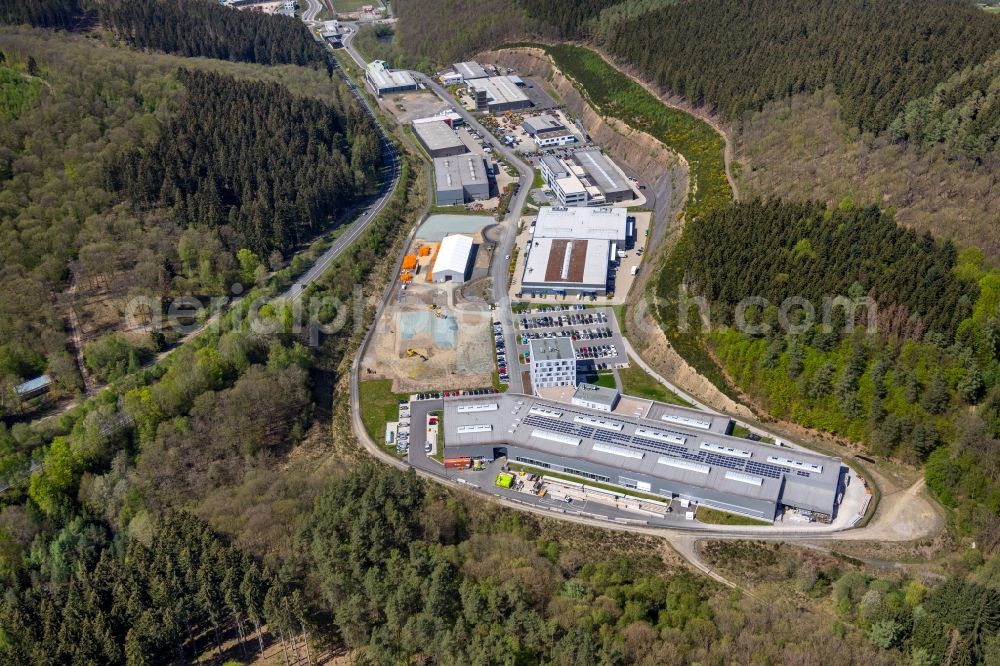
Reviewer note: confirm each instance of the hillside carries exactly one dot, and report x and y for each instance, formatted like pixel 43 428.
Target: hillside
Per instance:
pixel 74 210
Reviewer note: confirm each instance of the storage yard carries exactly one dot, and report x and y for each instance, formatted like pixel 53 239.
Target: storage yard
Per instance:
pixel 433 335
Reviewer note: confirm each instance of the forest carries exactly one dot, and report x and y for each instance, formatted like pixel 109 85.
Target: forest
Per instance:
pixel 207 29
pixel 63 14
pixel 962 112
pixel 272 168
pixel 569 18
pixel 166 522
pixel 924 387
pixel 778 250
pixel 878 55
pixel 102 108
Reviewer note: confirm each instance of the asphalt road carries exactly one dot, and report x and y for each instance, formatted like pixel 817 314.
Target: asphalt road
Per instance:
pixel 313 7
pixel 391 170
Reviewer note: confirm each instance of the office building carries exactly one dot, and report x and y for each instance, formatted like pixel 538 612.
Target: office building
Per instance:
pixel 553 362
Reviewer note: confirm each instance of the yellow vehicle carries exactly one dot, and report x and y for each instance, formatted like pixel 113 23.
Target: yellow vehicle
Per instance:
pixel 410 353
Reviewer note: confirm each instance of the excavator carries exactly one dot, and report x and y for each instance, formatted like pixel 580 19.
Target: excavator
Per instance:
pixel 410 353
pixel 436 309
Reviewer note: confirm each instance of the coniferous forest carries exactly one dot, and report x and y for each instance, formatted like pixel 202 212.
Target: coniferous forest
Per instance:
pixel 61 14
pixel 199 28
pixel 272 167
pixel 878 55
pixel 777 250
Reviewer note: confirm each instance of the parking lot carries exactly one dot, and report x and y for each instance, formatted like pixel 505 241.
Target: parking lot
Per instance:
pixel 500 344
pixel 593 331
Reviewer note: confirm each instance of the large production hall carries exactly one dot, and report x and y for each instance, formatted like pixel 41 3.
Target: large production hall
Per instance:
pixel 672 452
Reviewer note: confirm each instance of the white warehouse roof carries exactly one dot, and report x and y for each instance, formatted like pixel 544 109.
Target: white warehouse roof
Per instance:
pixel 453 255
pixel 610 224
pixel 384 78
pixel 470 70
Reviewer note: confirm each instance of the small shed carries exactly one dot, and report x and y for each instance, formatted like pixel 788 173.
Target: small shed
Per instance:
pixel 33 387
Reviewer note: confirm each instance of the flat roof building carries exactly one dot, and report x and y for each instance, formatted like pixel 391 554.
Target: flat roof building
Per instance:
pixel 543 124
pixel 452 261
pixel 553 362
pixel 469 71
pixel 383 81
pixel 610 224
pixel 588 178
pixel 652 456
pixel 497 94
pixel 439 139
pixel 459 179
pixel 546 130
pixel 602 173
pixel 601 398
pixel 565 266
pixel 449 117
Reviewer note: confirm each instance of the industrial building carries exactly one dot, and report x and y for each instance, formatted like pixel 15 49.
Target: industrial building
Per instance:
pixel 439 139
pixel 553 362
pixel 610 224
pixel 572 249
pixel 496 94
pixel 469 71
pixel 546 130
pixel 452 261
pixel 563 266
pixel 674 453
pixel 449 117
pixel 383 80
pixel 601 398
pixel 459 179
pixel 588 178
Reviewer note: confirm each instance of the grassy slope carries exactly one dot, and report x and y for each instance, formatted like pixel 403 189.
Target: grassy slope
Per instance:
pixel 635 381
pixel 379 405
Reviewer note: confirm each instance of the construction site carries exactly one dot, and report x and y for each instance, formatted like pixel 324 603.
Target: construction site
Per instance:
pixel 435 331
